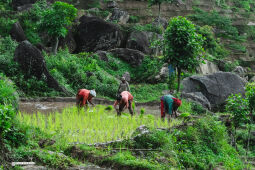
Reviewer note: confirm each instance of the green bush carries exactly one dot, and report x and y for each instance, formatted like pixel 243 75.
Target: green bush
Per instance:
pixel 134 19
pixel 29 86
pixel 214 19
pixel 149 28
pixel 8 95
pixel 5 26
pixel 31 19
pixel 205 145
pixel 211 44
pixel 197 108
pixel 73 72
pixel 153 140
pixel 7 115
pixel 10 132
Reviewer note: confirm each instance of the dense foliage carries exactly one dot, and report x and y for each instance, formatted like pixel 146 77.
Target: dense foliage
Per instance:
pixel 182 45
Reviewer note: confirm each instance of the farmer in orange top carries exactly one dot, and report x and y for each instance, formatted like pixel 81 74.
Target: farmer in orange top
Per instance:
pixel 84 96
pixel 124 100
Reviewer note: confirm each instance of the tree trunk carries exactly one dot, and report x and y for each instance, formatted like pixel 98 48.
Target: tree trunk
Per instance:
pixel 55 47
pixel 178 78
pixel 249 134
pixel 159 10
pixel 235 138
pixel 248 142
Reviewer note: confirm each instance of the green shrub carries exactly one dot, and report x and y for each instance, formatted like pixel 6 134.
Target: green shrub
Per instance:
pixel 73 72
pixel 197 108
pixel 8 95
pixel 30 21
pixel 211 44
pixel 134 19
pixel 214 19
pixel 229 66
pixel 205 145
pixel 29 86
pixel 5 26
pixel 149 28
pixel 153 140
pixel 7 115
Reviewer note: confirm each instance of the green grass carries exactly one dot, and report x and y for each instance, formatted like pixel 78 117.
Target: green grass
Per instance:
pixel 94 125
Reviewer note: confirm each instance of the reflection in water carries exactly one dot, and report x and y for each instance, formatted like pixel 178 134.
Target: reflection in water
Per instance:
pixel 49 107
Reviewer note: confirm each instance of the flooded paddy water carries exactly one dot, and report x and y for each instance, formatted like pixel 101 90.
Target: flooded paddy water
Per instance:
pixel 46 106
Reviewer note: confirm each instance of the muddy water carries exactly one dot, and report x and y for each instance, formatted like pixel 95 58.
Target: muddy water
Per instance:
pixel 49 107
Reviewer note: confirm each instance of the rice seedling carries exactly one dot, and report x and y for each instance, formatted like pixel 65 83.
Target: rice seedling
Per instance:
pixel 93 125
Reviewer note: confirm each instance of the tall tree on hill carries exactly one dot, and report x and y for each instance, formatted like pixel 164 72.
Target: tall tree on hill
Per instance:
pixel 182 46
pixel 159 2
pixel 56 19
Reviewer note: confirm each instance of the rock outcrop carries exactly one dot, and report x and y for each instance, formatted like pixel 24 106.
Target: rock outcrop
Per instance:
pixel 102 55
pixel 197 97
pixel 17 32
pixel 215 87
pixel 160 22
pixel 133 57
pixel 139 40
pixel 119 16
pixel 32 63
pixel 207 68
pixel 96 34
pixel 19 3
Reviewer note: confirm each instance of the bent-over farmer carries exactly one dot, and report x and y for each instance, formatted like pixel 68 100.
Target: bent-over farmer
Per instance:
pixel 169 104
pixel 124 100
pixel 84 96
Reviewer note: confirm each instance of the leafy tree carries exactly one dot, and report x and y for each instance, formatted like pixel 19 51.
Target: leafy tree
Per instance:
pixel 158 2
pixel 56 19
pixel 237 106
pixel 250 96
pixel 182 45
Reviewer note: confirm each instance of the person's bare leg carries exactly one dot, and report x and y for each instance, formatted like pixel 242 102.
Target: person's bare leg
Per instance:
pixel 130 108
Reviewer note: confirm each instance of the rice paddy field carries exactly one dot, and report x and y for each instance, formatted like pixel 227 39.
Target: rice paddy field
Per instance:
pixel 94 125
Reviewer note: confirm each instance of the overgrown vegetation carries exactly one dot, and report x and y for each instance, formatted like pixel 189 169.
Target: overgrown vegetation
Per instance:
pixel 182 46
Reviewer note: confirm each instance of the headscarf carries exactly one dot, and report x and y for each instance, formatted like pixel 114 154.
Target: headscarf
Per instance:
pixel 177 102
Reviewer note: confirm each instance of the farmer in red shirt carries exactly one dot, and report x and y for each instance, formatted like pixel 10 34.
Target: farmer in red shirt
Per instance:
pixel 124 100
pixel 84 96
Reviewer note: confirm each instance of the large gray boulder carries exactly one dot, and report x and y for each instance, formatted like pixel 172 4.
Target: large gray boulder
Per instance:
pixel 32 63
pixel 160 22
pixel 112 4
pixel 18 3
pixel 207 68
pixel 197 97
pixel 139 40
pixel 162 75
pixel 215 87
pixel 133 57
pixel 17 32
pixel 239 70
pixel 102 55
pixel 119 16
pixel 252 79
pixel 96 34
